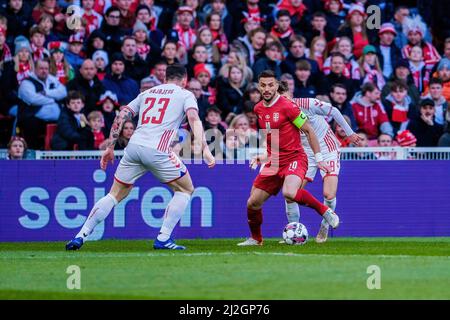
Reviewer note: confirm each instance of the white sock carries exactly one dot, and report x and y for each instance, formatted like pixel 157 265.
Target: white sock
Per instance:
pixel 98 213
pixel 292 212
pixel 330 204
pixel 174 211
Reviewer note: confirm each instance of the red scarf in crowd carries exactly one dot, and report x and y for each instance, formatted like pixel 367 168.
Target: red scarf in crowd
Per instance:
pixel 293 11
pixel 281 35
pixel 23 72
pixel 373 76
pixel 38 53
pixel 186 37
pixel 143 51
pixel 99 137
pixel 60 72
pixel 92 23
pixel 430 54
pixel 6 54
pixel 421 77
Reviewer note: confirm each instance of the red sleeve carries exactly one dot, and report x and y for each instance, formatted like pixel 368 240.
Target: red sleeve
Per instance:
pixel 292 111
pixel 382 115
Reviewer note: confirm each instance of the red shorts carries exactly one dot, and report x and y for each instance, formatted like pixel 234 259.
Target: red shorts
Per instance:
pixel 271 179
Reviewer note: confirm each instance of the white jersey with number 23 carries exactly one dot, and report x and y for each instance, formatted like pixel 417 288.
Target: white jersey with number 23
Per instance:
pixel 161 111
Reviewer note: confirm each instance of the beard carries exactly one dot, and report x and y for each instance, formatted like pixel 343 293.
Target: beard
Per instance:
pixel 268 99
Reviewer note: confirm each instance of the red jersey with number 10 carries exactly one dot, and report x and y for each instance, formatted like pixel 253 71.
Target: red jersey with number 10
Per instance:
pixel 283 138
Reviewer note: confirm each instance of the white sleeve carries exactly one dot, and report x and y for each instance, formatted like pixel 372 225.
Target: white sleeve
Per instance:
pixel 319 107
pixel 190 102
pixel 337 116
pixel 134 105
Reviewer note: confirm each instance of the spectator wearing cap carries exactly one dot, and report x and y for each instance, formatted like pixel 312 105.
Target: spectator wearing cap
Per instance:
pixel 203 75
pixel 147 50
pixel 355 28
pixel 369 113
pixel 415 30
pixel 406 139
pixel 135 67
pixel 110 27
pixel 101 61
pixel 127 17
pixel 93 19
pixel 402 72
pixel 148 83
pixel 96 41
pixel 37 41
pixel 23 59
pixel 87 82
pixel 50 7
pixel 59 67
pixel 182 32
pixel 424 127
pixel 109 106
pixel 150 17
pixel 118 82
pixel 388 53
pixel 333 8
pixel 443 73
pixel 370 67
pixel 40 97
pixel 297 46
pixel 74 54
pixel 18 14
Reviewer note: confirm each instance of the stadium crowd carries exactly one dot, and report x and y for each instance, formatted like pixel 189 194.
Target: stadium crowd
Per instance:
pixel 65 73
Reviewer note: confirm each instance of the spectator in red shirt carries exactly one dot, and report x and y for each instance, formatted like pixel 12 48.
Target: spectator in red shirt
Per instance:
pixel 369 113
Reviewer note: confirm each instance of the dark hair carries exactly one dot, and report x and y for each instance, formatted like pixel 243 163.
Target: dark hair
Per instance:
pixel 368 87
pixel 426 102
pixel 111 9
pixel 399 85
pixel 160 62
pixel 303 65
pixel 435 81
pixel 175 72
pixel 338 85
pixel 213 108
pixel 140 7
pixel 283 87
pixel 267 74
pixel 283 13
pixel 249 106
pixel 252 33
pixel 275 44
pixel 168 42
pixel 337 54
pixel 74 95
pixel 400 8
pixel 319 14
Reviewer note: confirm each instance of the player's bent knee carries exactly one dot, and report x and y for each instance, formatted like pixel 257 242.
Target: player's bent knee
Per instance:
pixel 289 195
pixel 253 204
pixel 329 195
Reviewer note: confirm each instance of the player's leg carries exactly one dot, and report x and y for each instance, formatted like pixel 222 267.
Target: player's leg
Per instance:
pixel 330 183
pixel 292 192
pixel 128 171
pixel 254 216
pixel 183 189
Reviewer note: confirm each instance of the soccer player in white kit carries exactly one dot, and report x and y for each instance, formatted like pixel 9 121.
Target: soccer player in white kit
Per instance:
pixel 161 110
pixel 316 111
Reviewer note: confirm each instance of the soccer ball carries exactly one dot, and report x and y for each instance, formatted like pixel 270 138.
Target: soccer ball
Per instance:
pixel 295 233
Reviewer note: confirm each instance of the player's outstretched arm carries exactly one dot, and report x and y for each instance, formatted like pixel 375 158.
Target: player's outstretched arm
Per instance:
pixel 108 155
pixel 199 137
pixel 337 116
pixel 315 146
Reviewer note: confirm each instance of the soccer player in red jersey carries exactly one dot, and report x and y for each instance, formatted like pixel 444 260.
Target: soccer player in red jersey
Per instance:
pixel 286 162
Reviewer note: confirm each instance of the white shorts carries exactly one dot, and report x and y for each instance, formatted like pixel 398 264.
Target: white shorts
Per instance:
pixel 138 160
pixel 332 160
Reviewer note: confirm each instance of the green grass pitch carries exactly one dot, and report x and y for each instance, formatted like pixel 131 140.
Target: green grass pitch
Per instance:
pixel 411 268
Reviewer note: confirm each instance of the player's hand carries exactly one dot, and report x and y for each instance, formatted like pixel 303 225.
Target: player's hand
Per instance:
pixel 355 139
pixel 107 156
pixel 257 160
pixel 209 158
pixel 322 165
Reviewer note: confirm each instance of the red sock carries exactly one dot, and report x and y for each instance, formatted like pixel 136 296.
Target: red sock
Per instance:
pixel 255 220
pixel 305 198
